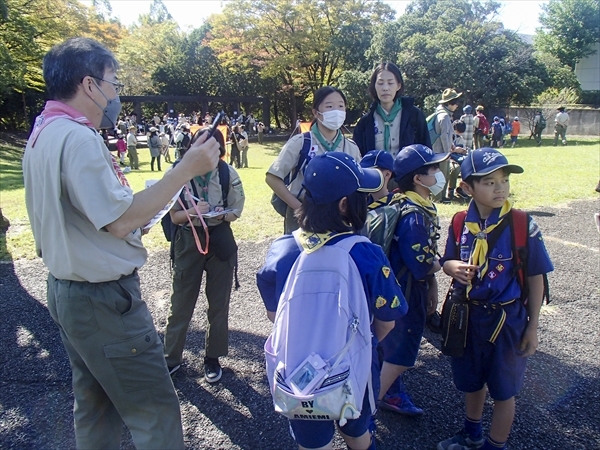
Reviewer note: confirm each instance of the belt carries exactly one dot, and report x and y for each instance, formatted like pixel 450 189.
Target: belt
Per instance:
pixel 501 319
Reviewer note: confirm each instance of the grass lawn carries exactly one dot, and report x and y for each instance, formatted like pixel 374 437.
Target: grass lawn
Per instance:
pixel 553 177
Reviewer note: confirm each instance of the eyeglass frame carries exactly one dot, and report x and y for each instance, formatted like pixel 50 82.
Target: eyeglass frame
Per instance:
pixel 119 87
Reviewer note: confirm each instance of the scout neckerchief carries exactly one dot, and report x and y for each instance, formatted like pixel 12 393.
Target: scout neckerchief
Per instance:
pixel 203 183
pixel 57 110
pixel 314 241
pixel 424 203
pixel 479 255
pixel 328 147
pixel 388 120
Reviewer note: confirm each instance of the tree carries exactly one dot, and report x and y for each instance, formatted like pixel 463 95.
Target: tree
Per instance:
pixel 548 102
pixel 304 44
pixel 459 44
pixel 569 29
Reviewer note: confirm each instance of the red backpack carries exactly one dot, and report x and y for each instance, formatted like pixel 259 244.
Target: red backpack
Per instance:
pixel 519 229
pixel 484 125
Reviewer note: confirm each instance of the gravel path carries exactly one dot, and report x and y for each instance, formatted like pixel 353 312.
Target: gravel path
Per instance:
pixel 559 407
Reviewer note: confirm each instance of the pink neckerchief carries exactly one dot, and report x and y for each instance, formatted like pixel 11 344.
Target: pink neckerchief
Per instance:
pixel 58 110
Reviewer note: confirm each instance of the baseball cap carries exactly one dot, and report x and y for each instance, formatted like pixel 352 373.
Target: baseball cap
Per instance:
pixel 517 118
pixel 412 157
pixel 467 109
pixel 378 158
pixel 334 175
pixel 152 129
pixel 484 161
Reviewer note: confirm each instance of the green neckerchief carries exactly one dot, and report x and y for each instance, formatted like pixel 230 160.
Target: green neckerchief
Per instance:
pixel 388 120
pixel 314 241
pixel 338 138
pixel 203 183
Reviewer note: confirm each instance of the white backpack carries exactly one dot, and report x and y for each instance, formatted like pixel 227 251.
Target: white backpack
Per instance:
pixel 319 353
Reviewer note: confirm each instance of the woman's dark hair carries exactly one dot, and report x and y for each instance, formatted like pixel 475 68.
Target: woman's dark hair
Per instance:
pixel 67 64
pixel 406 183
pixel 217 135
pixel 390 67
pixel 322 93
pixel 326 218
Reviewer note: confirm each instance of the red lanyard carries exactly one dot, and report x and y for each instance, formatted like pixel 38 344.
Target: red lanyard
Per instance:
pixel 195 206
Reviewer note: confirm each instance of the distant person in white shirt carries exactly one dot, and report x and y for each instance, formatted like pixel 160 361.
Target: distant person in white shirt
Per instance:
pixel 561 121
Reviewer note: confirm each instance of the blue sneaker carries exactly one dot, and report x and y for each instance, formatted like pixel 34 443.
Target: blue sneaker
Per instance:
pixel 400 403
pixel 461 441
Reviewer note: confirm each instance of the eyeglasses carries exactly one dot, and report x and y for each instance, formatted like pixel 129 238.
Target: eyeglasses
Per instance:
pixel 119 87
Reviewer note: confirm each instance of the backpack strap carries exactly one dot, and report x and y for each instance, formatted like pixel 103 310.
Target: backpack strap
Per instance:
pixel 224 180
pixel 301 159
pixel 458 225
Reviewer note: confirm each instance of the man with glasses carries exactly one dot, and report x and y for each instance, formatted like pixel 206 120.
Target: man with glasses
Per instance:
pixel 87 222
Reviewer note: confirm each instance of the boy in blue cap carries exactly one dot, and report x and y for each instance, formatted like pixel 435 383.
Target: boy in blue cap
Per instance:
pixel 502 329
pixel 384 161
pixel 334 208
pixel 414 262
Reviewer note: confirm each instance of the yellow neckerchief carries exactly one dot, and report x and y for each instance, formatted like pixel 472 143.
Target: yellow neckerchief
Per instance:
pixel 480 249
pixel 314 241
pixel 418 200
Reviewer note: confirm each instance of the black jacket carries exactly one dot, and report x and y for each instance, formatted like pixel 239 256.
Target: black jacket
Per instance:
pixel 413 127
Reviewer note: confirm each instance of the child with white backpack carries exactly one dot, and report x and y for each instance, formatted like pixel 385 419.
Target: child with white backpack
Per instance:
pixel 332 297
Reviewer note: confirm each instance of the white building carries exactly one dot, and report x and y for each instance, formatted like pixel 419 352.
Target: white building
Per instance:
pixel 588 71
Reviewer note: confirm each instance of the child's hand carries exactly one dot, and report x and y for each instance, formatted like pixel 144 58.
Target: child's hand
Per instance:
pixel 203 207
pixel 432 296
pixel 530 342
pixel 460 271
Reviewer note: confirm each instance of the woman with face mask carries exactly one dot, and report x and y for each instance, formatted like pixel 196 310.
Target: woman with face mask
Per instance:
pixel 393 121
pixel 329 114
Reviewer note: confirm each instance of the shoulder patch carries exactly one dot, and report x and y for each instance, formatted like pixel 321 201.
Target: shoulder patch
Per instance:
pixel 395 302
pixel 420 258
pixel 416 247
pixel 534 229
pixel 380 302
pixel 386 271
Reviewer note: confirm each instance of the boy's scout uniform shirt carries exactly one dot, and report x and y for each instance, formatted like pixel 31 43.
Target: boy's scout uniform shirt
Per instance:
pixel 500 283
pixel 235 197
pixel 379 126
pixel 414 247
pixel 288 158
pixel 386 301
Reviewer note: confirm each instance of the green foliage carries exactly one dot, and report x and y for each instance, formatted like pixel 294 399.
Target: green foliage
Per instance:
pixel 459 44
pixel 302 44
pixel 560 76
pixel 354 84
pixel 569 29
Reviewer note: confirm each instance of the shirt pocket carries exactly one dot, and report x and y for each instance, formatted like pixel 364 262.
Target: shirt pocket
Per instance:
pixel 500 254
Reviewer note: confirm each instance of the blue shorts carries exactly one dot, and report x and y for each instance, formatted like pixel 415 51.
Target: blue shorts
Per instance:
pixel 401 345
pixel 500 365
pixel 319 433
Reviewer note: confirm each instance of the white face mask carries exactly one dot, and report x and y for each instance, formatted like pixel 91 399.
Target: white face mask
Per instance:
pixel 333 120
pixel 440 182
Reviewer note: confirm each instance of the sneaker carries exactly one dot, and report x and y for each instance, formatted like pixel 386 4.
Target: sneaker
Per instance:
pixel 401 403
pixel 212 370
pixel 173 369
pixel 462 194
pixel 461 441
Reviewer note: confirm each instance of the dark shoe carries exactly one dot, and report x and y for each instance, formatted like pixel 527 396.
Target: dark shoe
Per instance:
pixel 434 322
pixel 445 201
pixel 402 404
pixel 461 441
pixel 212 370
pixel 174 369
pixel 462 194
pixel 598 187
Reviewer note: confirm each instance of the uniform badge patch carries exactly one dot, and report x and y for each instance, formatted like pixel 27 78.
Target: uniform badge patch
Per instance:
pixel 429 260
pixel 395 302
pixel 463 239
pixel 492 274
pixel 386 271
pixel 499 267
pixel 380 302
pixel 420 258
pixel 426 249
pixel 416 247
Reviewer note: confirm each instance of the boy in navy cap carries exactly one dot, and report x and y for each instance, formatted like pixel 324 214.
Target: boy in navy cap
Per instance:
pixel 414 262
pixel 384 161
pixel 502 329
pixel 334 208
